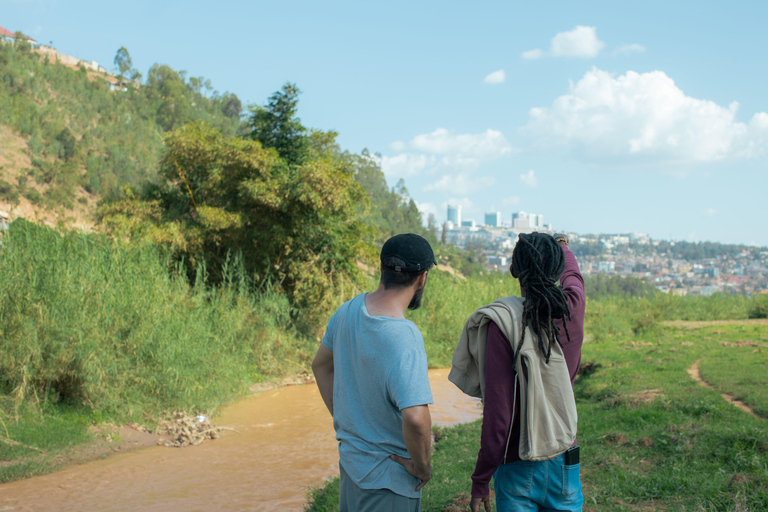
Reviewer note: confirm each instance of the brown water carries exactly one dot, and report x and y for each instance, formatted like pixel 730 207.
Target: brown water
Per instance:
pixel 286 444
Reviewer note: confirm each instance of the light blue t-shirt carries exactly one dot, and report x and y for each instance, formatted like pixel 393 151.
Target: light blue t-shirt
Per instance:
pixel 380 368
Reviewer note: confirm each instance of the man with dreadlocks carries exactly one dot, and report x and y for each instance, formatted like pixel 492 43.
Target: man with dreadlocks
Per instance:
pixel 551 317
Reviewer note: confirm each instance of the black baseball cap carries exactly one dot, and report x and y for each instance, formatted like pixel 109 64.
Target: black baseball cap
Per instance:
pixel 413 249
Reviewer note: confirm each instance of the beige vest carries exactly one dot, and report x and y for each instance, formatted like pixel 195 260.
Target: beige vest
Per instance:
pixel 547 407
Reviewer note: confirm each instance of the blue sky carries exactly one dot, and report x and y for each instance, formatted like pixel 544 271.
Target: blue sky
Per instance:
pixel 602 116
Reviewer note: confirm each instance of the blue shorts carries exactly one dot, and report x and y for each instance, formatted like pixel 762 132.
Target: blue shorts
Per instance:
pixel 547 485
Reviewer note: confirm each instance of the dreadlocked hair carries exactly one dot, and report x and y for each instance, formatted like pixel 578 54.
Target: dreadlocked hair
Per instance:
pixel 538 261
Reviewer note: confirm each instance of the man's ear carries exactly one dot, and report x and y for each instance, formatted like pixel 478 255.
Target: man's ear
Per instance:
pixel 422 280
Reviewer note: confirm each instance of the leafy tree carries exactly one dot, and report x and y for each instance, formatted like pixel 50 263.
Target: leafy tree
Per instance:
pixel 392 210
pixel 276 125
pixel 221 197
pixel 167 88
pixel 68 144
pixel 22 43
pixel 123 61
pixel 231 106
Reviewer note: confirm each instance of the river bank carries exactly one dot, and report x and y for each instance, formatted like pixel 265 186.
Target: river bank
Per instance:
pixel 284 444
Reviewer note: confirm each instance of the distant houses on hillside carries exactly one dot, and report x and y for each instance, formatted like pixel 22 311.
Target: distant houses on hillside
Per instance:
pixel 6 36
pixel 115 83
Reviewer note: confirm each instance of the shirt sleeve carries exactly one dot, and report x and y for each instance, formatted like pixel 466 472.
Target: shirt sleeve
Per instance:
pixel 572 282
pixel 408 378
pixel 497 409
pixel 328 336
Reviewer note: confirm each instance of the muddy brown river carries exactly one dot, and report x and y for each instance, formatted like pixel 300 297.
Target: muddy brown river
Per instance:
pixel 285 445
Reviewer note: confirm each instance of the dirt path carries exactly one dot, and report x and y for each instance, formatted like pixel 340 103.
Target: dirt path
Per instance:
pixel 693 371
pixel 688 324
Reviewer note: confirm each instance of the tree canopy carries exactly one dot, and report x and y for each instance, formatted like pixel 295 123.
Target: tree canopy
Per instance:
pixel 293 226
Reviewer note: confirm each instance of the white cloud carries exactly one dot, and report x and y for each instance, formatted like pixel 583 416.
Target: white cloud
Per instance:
pixel 645 116
pixel 398 145
pixel 580 42
pixel 513 200
pixel 426 209
pixel 626 49
pixel 452 158
pixel 489 144
pixel 529 178
pixel 532 54
pixel 405 165
pixel 460 184
pixel 495 78
pixel 709 212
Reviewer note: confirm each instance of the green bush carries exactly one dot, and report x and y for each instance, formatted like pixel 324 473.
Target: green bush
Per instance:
pixel 759 307
pixel 34 196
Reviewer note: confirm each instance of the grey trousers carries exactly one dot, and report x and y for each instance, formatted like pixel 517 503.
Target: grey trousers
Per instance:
pixel 354 499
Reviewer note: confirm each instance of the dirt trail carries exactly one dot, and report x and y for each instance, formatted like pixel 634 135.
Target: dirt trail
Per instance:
pixel 693 371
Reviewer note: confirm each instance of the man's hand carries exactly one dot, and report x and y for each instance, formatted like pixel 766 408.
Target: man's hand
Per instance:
pixel 417 434
pixel 474 504
pixel 423 473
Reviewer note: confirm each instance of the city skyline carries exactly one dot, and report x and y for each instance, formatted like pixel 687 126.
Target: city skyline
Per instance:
pixel 648 117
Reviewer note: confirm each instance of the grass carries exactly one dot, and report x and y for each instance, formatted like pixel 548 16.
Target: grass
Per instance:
pixel 738 363
pixel 651 437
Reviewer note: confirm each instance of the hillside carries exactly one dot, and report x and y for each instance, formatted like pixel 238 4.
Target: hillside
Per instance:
pixel 67 140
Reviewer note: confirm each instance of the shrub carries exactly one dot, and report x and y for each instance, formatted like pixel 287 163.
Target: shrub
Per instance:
pixel 759 307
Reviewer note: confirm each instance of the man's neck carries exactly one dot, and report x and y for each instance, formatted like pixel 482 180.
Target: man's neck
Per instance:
pixel 391 302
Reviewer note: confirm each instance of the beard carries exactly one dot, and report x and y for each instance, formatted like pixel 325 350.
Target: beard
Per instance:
pixel 416 300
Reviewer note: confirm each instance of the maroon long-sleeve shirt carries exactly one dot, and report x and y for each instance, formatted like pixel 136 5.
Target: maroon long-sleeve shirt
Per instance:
pixel 500 381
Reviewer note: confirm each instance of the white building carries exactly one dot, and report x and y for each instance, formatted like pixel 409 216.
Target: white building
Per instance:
pixel 529 221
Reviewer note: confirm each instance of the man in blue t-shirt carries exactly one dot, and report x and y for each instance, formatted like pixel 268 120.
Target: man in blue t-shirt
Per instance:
pixel 371 370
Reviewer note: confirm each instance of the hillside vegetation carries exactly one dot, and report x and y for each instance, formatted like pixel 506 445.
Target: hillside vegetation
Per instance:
pixel 86 142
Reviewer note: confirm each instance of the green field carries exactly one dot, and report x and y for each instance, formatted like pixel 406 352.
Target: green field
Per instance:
pixel 651 437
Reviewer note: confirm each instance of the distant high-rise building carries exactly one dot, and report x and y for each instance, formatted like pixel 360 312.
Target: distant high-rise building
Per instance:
pixel 493 219
pixel 468 223
pixel 520 220
pixel 454 214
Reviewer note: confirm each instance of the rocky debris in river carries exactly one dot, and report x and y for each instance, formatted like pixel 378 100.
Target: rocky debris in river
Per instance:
pixel 187 430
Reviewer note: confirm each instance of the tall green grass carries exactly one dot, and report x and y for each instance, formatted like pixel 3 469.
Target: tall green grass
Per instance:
pixel 448 302
pixel 102 324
